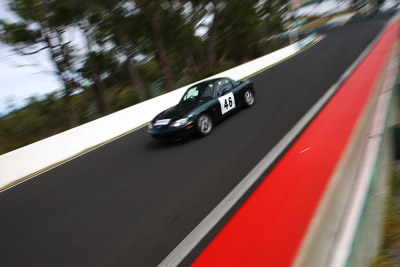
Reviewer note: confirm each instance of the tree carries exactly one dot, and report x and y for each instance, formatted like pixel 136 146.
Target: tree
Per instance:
pixel 98 65
pixel 211 40
pixel 178 28
pixel 238 29
pixel 126 34
pixel 151 9
pixel 271 15
pixel 80 14
pixel 40 29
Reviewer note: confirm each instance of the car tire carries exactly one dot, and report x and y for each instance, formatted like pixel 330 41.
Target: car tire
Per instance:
pixel 248 98
pixel 204 124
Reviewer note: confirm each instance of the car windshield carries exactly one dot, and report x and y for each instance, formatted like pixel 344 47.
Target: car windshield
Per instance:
pixel 198 91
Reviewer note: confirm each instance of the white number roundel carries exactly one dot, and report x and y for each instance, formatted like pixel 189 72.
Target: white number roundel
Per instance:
pixel 227 102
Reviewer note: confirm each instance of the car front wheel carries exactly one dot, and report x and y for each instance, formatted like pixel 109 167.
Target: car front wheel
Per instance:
pixel 204 124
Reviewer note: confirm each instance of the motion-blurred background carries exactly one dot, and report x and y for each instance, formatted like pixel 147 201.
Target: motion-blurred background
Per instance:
pixel 89 58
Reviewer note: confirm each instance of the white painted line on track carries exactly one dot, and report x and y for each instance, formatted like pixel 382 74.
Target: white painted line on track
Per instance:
pixel 207 224
pixel 308 148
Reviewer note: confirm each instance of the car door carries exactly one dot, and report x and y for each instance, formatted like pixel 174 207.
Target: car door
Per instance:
pixel 225 95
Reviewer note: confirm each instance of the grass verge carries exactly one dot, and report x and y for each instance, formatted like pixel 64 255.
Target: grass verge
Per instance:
pixel 389 254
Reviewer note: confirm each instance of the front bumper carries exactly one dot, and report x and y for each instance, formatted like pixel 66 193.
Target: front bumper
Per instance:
pixel 168 133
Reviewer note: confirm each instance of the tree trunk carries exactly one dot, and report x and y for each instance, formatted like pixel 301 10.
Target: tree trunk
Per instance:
pixel 99 94
pixel 162 55
pixel 117 92
pixel 131 65
pixel 70 111
pixel 99 87
pixel 211 42
pixel 152 14
pixel 191 65
pixel 237 50
pixel 134 74
pixel 72 117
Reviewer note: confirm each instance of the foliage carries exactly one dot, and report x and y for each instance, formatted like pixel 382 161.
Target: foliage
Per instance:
pixel 37 119
pixel 389 253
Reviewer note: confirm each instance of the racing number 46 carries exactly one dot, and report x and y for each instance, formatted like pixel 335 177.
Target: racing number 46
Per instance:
pixel 229 100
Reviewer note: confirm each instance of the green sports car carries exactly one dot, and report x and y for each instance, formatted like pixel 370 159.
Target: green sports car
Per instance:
pixel 201 107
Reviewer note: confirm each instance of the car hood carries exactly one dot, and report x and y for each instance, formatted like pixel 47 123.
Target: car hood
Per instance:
pixel 181 110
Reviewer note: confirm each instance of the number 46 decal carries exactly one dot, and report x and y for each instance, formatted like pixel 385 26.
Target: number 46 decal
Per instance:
pixel 227 102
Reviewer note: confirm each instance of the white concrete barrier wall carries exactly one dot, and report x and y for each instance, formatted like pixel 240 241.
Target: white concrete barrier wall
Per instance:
pixel 32 158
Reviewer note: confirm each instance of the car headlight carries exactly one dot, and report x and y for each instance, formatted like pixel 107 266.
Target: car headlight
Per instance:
pixel 180 122
pixel 150 126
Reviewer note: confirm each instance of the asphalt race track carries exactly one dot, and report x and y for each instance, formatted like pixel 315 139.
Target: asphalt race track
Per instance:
pixel 131 202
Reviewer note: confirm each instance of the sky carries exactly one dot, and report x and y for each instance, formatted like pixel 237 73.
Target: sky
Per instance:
pixel 24 76
pixel 19 81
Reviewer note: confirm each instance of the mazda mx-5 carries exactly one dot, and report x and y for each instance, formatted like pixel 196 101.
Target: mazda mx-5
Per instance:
pixel 201 107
